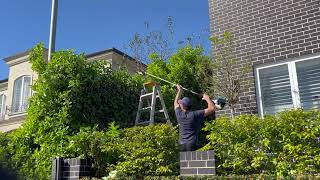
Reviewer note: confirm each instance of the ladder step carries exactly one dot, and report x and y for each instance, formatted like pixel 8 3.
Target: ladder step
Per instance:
pixel 143 123
pixel 149 95
pixel 146 95
pixel 146 108
pixel 160 111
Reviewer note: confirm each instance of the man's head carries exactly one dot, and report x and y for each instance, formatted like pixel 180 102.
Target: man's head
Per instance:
pixel 185 103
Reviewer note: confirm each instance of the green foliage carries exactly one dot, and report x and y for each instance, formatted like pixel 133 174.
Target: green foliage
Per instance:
pixel 216 177
pixel 182 67
pixel 6 168
pixel 150 150
pixel 284 144
pixel 73 101
pixel 97 146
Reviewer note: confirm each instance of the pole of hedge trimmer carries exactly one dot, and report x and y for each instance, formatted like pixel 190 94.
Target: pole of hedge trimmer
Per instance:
pixel 173 84
pixel 218 105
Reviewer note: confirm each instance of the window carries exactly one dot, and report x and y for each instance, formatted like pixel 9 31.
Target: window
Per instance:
pixel 21 93
pixel 2 106
pixel 293 84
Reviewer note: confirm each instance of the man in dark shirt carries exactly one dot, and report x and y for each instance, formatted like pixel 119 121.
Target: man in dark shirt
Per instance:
pixel 190 121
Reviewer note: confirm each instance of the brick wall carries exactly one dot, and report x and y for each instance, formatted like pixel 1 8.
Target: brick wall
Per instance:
pixel 73 169
pixel 197 163
pixel 269 30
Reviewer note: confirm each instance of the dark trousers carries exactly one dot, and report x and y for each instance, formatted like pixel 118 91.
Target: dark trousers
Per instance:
pixel 188 147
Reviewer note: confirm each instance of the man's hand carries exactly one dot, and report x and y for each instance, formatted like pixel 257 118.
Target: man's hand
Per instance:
pixel 211 108
pixel 179 87
pixel 205 97
pixel 176 104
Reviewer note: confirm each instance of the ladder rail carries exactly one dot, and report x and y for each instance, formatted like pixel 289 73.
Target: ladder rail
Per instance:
pixel 156 93
pixel 164 108
pixel 153 104
pixel 139 108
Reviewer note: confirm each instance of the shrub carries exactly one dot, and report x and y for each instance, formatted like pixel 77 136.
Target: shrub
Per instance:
pixel 183 67
pixel 150 150
pixel 284 144
pixel 71 95
pixel 100 147
pixel 7 171
pixel 234 142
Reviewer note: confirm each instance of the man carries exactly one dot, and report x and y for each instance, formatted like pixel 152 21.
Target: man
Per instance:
pixel 190 121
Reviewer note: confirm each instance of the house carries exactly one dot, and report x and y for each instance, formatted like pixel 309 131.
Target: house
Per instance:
pixel 283 38
pixel 15 91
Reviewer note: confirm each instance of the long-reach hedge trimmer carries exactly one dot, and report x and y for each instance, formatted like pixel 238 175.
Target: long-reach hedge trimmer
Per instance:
pixel 220 102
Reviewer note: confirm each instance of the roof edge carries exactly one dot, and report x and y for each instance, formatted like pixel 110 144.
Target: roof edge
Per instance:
pixel 18 55
pixel 113 49
pixel 3 80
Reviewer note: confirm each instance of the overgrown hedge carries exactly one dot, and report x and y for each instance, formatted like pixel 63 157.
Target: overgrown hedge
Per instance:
pixel 138 151
pixel 285 144
pixel 226 177
pixel 185 67
pixel 70 94
pixel 150 150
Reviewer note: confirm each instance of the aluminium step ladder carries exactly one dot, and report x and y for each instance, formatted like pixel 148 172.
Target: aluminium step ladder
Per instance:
pixel 145 95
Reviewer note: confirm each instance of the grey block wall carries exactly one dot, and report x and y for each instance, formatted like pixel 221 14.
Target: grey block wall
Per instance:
pixel 73 169
pixel 269 30
pixel 197 163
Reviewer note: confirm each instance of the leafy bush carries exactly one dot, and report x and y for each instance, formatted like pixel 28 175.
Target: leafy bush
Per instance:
pixel 183 67
pixel 216 177
pixel 71 97
pixel 284 144
pixel 83 93
pixel 150 150
pixel 7 171
pixel 100 147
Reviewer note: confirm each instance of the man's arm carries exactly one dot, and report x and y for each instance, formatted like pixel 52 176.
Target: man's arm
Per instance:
pixel 176 104
pixel 211 108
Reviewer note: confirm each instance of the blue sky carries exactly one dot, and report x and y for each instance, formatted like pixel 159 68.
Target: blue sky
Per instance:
pixel 93 25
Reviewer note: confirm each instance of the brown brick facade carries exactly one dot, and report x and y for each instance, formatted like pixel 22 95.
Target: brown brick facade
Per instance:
pixel 270 30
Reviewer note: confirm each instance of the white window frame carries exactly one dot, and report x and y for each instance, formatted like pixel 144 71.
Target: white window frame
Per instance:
pixel 21 94
pixel 293 81
pixel 3 106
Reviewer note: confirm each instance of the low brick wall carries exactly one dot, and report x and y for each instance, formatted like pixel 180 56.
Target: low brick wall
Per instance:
pixel 73 169
pixel 197 163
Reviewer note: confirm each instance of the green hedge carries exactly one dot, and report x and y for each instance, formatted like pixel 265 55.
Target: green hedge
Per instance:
pixel 150 150
pixel 70 94
pixel 227 177
pixel 284 144
pixel 138 151
pixel 184 67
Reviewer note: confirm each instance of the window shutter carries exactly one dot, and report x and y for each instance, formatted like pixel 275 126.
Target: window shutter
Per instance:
pixel 275 89
pixel 308 73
